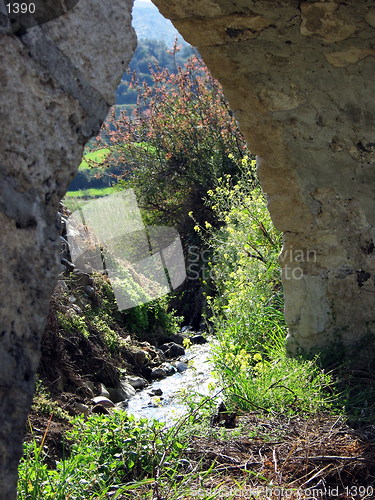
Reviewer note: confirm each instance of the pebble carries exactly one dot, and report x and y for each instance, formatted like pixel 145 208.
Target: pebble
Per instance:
pixel 198 339
pixel 155 392
pixel 103 401
pixel 158 373
pixel 82 408
pixel 172 350
pixel 136 382
pixel 181 366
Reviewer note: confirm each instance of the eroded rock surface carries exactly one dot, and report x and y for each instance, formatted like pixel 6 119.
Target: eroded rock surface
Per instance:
pixel 300 77
pixel 57 83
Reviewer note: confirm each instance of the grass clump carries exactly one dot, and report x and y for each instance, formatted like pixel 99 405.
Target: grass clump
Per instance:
pixel 43 404
pixel 73 322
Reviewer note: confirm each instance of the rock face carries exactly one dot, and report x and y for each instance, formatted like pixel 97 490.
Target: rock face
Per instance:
pixel 57 83
pixel 300 78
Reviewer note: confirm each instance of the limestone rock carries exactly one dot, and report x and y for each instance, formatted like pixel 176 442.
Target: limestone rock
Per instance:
pixel 370 17
pixel 103 401
pixel 56 89
pixel 172 350
pixel 322 20
pixel 302 92
pixel 348 56
pixel 225 29
pixel 181 366
pixel 158 373
pixel 136 382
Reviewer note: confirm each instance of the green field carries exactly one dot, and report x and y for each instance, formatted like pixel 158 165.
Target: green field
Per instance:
pixel 90 193
pixel 95 157
pixel 76 199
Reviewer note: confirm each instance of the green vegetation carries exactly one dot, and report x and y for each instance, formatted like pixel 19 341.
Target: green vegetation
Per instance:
pixel 94 158
pixel 108 455
pixel 149 56
pixel 119 456
pixel 43 404
pixel 91 193
pixel 180 139
pixel 247 318
pixel 74 200
pixel 102 316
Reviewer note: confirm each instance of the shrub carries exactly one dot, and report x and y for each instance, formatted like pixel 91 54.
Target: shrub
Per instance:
pixel 111 453
pixel 247 317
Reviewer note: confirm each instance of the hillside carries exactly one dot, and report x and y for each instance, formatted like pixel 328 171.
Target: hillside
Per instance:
pixel 150 24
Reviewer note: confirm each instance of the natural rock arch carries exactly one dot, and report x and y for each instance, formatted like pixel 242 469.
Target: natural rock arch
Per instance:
pixel 300 78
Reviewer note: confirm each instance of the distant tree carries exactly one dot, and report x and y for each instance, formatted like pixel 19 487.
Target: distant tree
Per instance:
pixel 148 57
pixel 180 139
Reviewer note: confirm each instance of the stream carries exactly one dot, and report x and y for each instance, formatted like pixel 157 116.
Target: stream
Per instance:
pixel 168 407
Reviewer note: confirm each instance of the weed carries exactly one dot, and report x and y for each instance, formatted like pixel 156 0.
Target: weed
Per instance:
pixel 43 404
pixel 116 453
pixel 250 357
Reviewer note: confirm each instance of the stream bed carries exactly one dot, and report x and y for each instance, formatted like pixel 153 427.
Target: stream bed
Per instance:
pixel 168 406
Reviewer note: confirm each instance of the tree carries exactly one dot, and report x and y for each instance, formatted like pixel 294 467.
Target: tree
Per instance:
pixel 181 138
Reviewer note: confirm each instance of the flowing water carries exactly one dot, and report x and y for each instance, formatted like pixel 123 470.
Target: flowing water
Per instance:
pixel 169 406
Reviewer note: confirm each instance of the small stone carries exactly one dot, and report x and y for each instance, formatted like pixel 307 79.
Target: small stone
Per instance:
pixel 139 356
pixel 104 391
pixel 103 401
pixel 100 409
pixel 89 291
pixel 168 368
pixel 136 382
pixel 155 392
pixel 172 350
pixel 82 408
pixel 181 366
pixel 158 373
pixel 89 386
pixel 198 339
pixel 121 392
pixel 122 405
